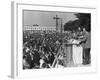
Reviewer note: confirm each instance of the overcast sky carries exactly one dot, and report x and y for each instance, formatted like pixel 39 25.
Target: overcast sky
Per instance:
pixel 44 18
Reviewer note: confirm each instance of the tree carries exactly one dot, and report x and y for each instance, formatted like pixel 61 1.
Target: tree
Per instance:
pixel 71 25
pixel 83 21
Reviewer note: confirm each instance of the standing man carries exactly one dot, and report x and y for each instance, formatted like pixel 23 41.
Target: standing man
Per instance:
pixel 86 43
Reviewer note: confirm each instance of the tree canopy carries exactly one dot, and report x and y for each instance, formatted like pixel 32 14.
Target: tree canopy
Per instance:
pixel 83 21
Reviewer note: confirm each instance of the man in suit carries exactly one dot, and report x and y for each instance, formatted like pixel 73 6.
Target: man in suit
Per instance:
pixel 86 47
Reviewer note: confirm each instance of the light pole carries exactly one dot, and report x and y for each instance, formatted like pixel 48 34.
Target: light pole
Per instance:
pixel 61 25
pixel 56 18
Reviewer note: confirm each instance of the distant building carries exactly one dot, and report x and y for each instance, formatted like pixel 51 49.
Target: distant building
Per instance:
pixel 42 28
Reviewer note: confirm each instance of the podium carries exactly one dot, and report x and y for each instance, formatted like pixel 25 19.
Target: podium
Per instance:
pixel 77 51
pixel 74 53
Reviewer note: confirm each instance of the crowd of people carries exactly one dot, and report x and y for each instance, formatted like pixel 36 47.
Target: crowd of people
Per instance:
pixel 46 49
